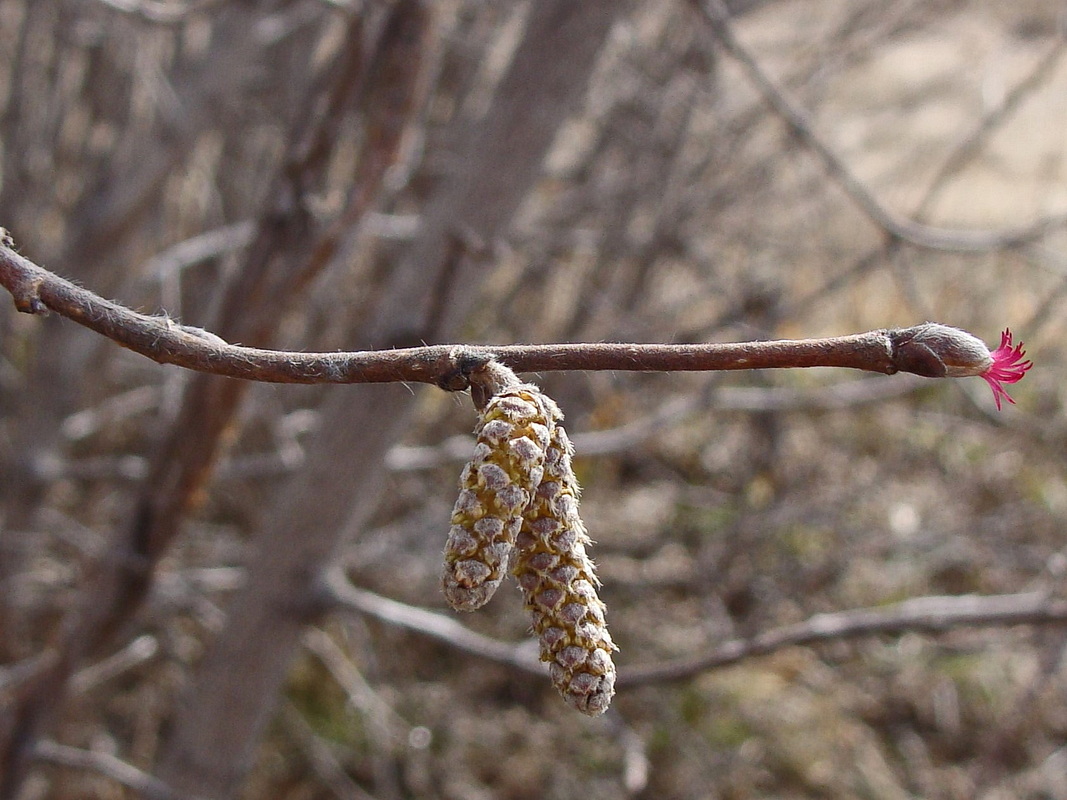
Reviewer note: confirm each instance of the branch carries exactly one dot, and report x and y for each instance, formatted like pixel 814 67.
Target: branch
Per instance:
pixel 934 614
pixel 36 290
pixel 163 13
pixel 715 13
pixel 921 614
pixel 339 593
pixel 109 766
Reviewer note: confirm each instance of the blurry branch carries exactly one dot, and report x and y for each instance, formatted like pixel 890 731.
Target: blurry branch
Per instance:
pixel 936 614
pixel 143 648
pixel 196 249
pixel 846 394
pixel 969 146
pixel 339 593
pixel 328 769
pixel 108 766
pixel 290 246
pixel 715 13
pixel 289 454
pixel 387 725
pixel 158 11
pixel 37 290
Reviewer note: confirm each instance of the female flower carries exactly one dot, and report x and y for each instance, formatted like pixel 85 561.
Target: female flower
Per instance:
pixel 1008 366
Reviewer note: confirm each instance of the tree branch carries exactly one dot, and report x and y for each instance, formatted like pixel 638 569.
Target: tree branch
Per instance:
pixel 337 592
pixel 716 14
pixel 935 614
pixel 109 766
pixel 36 290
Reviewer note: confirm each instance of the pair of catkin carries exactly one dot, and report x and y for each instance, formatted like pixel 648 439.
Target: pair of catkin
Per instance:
pixel 518 508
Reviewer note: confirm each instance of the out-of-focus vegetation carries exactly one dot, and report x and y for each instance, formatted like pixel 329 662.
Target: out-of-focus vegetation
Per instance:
pixel 673 205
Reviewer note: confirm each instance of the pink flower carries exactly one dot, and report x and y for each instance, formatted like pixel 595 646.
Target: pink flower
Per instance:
pixel 1008 366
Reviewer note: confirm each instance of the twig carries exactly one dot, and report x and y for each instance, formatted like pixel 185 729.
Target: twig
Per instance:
pixel 36 290
pixel 320 756
pixel 162 13
pixel 142 649
pixel 340 593
pixel 107 765
pixel 896 226
pixel 387 724
pixel 969 146
pixel 935 614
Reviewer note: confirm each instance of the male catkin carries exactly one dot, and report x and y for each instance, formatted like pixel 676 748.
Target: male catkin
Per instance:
pixel 559 584
pixel 512 435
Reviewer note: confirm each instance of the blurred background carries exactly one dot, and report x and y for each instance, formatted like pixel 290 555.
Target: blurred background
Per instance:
pixel 327 175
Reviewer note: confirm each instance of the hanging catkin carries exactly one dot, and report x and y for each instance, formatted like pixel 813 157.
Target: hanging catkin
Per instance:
pixel 513 433
pixel 559 584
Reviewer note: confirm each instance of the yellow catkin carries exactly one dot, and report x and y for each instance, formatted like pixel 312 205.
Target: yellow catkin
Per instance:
pixel 559 584
pixel 496 486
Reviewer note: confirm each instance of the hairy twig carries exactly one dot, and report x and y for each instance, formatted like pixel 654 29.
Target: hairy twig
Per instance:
pixel 715 13
pixel 36 290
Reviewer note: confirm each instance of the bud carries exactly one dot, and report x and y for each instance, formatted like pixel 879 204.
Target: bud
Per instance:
pixel 512 435
pixel 559 584
pixel 939 351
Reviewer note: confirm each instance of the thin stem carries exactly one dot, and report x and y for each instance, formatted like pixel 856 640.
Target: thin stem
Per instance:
pixel 921 614
pixel 36 290
pixel 717 16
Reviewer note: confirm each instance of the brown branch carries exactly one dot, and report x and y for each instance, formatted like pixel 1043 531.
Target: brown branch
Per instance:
pixel 715 13
pixel 36 290
pixel 920 614
pixel 933 615
pixel 338 593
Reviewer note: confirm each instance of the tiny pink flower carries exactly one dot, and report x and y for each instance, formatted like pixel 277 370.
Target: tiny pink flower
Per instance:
pixel 1009 366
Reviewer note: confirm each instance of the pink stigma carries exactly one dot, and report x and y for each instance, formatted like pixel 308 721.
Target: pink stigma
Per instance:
pixel 1008 366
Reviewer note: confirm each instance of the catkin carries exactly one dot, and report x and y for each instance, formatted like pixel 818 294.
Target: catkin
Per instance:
pixel 513 433
pixel 559 584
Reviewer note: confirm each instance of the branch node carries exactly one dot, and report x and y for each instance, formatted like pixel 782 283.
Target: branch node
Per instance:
pixel 27 296
pixel 460 365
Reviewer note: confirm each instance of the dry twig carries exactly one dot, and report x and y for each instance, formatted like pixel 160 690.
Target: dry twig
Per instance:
pixel 108 766
pixel 921 614
pixel 715 13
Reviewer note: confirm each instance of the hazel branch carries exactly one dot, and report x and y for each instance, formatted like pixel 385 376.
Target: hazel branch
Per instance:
pixel 929 350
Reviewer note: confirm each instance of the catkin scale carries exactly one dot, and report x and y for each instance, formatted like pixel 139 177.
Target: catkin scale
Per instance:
pixel 513 434
pixel 559 585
